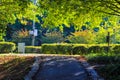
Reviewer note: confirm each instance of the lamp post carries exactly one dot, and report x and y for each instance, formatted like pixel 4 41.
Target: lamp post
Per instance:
pixel 33 37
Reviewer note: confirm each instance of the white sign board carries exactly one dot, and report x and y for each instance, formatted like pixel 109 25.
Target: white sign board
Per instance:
pixel 31 32
pixel 21 47
pixel 35 32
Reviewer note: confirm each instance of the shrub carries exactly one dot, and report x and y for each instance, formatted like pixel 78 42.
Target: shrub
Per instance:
pixel 84 37
pixel 103 58
pixel 110 72
pixel 21 36
pixel 6 47
pixel 56 48
pixel 80 49
pixel 32 49
pixel 104 48
pixel 64 49
pixel 49 49
pixel 99 48
pixel 110 69
pixel 94 49
pixel 53 37
pixel 116 49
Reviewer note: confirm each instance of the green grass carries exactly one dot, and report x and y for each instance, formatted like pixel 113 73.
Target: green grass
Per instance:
pixel 111 62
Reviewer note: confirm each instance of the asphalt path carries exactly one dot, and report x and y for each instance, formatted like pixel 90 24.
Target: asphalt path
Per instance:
pixel 61 68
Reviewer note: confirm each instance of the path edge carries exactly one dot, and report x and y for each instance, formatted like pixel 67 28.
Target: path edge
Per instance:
pixel 90 70
pixel 34 69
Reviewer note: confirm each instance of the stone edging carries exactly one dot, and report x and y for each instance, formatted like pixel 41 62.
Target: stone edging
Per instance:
pixel 92 73
pixel 34 69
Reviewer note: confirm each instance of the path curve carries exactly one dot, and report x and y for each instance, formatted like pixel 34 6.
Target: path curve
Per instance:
pixel 61 68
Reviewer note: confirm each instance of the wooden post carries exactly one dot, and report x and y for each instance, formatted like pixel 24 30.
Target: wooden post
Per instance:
pixel 108 41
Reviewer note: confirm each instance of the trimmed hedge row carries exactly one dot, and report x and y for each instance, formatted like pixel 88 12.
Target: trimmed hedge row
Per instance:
pixel 56 48
pixel 79 48
pixel 32 49
pixel 6 47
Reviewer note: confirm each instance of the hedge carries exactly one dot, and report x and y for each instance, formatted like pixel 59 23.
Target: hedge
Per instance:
pixel 32 49
pixel 116 49
pixel 7 47
pixel 57 48
pixel 79 48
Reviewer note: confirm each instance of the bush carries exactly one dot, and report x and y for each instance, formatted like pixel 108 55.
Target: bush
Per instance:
pixel 110 72
pixel 32 49
pixel 22 36
pixel 94 49
pixel 6 47
pixel 116 49
pixel 53 37
pixel 82 37
pixel 104 58
pixel 80 49
pixel 110 69
pixel 56 48
pixel 99 48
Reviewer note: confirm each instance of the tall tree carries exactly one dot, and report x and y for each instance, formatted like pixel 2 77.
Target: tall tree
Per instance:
pixel 8 11
pixel 78 12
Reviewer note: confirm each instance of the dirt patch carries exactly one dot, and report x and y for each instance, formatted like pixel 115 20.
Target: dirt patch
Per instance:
pixel 15 67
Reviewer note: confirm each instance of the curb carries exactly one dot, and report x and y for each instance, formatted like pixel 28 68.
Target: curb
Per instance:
pixel 91 72
pixel 34 69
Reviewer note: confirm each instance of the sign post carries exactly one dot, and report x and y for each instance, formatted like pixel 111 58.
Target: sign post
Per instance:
pixel 108 41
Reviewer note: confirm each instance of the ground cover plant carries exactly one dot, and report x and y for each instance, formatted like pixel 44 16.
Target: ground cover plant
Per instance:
pixel 107 65
pixel 14 67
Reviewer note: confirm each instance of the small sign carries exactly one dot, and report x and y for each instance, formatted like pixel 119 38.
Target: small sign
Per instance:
pixel 21 47
pixel 35 32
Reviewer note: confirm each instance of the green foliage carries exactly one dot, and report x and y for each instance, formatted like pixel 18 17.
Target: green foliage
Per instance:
pixel 32 49
pixel 83 37
pixel 56 48
pixel 8 11
pixel 21 36
pixel 104 58
pixel 7 47
pixel 110 62
pixel 53 37
pixel 101 36
pixel 80 49
pixel 116 49
pixel 110 72
pixel 77 12
pixel 94 49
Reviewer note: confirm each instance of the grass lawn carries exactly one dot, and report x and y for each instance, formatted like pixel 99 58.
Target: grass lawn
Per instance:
pixel 107 65
pixel 14 67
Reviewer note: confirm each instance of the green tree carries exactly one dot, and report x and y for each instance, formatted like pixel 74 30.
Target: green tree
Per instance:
pixel 8 12
pixel 77 12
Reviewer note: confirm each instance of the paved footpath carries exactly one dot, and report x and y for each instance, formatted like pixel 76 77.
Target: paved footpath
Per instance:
pixel 61 68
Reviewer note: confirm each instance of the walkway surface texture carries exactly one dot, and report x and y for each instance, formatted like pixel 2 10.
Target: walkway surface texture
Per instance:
pixel 61 68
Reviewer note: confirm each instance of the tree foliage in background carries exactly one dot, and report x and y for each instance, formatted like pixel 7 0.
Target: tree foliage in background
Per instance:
pixel 83 37
pixel 77 12
pixel 53 37
pixel 92 14
pixel 8 11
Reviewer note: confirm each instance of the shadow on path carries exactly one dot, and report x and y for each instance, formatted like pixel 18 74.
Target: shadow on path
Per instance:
pixel 61 68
